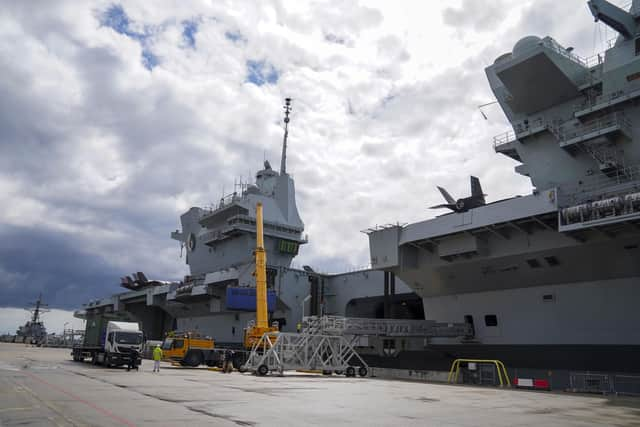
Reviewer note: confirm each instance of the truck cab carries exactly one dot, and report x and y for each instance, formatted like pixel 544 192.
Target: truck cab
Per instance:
pixel 123 341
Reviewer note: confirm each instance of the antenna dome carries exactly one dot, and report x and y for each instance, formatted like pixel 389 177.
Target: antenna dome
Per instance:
pixel 525 44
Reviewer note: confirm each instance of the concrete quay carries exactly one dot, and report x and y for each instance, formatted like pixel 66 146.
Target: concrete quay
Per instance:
pixel 43 387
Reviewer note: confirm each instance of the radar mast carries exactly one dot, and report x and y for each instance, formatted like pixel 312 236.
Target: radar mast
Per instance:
pixel 283 161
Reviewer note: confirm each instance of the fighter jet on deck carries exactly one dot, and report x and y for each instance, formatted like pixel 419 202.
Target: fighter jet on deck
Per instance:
pixel 463 205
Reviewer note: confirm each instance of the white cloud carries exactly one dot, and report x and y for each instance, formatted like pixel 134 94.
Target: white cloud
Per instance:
pixel 99 150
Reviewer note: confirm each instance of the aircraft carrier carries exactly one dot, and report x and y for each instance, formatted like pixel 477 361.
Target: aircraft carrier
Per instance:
pixel 217 298
pixel 550 281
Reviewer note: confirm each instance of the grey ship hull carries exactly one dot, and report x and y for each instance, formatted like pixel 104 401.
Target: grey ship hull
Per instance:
pixel 588 327
pixel 540 359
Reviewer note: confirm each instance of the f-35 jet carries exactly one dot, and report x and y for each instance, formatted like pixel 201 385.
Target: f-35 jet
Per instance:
pixel 463 205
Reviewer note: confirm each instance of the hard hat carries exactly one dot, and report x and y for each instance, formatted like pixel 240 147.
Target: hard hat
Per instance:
pixel 157 345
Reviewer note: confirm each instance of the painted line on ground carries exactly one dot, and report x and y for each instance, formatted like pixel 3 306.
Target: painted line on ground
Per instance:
pixel 81 400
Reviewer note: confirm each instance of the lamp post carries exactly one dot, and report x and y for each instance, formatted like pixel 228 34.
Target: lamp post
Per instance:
pixel 64 333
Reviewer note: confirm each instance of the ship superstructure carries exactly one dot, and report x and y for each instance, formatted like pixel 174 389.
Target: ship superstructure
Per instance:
pixel 218 298
pixel 219 240
pixel 550 280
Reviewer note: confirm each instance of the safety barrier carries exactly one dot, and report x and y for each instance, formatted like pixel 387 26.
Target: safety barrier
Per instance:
pixel 532 383
pixel 587 382
pixel 503 376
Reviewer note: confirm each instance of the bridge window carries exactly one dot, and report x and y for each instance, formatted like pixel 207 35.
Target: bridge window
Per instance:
pixel 491 320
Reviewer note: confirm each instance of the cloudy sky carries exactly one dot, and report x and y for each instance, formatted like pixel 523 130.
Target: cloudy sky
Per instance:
pixel 115 118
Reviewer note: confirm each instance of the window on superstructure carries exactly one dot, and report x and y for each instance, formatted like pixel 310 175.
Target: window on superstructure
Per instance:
pixel 637 46
pixel 491 320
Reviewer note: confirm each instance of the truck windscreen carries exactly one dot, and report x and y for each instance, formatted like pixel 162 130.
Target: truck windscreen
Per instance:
pixel 128 338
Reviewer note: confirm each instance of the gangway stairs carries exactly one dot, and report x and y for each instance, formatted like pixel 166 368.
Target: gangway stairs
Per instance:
pixel 326 343
pixel 309 350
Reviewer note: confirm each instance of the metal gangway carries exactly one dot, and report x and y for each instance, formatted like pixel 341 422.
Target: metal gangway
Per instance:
pixel 281 351
pixel 326 343
pixel 356 326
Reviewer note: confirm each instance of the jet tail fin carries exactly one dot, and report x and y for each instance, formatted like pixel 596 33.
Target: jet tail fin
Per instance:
pixel 476 189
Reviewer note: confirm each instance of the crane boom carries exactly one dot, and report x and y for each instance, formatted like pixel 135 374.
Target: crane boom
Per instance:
pixel 262 320
pixel 257 329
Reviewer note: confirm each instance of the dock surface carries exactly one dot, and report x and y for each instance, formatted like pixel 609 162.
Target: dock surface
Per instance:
pixel 43 387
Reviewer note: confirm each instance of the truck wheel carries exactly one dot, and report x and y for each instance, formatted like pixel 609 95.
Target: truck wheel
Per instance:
pixel 350 371
pixel 193 358
pixel 362 371
pixel 262 370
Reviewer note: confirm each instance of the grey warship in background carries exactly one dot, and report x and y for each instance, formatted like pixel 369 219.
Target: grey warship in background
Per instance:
pixel 217 299
pixel 551 280
pixel 33 332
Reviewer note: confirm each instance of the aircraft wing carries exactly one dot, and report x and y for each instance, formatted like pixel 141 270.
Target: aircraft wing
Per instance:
pixel 451 206
pixel 447 196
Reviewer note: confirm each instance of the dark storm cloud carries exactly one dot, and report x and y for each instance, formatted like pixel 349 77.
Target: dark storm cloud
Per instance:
pixel 96 165
pixel 54 264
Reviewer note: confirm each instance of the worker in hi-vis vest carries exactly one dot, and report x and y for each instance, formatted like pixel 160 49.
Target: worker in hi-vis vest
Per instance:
pixel 157 357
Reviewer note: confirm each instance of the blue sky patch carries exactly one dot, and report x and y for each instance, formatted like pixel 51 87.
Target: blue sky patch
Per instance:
pixel 149 60
pixel 116 18
pixel 261 72
pixel 189 30
pixel 234 36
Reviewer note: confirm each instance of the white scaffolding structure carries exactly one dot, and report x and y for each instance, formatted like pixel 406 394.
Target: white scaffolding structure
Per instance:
pixel 305 351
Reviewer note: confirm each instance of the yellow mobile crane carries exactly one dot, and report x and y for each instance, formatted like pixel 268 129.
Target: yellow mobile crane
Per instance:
pixel 254 332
